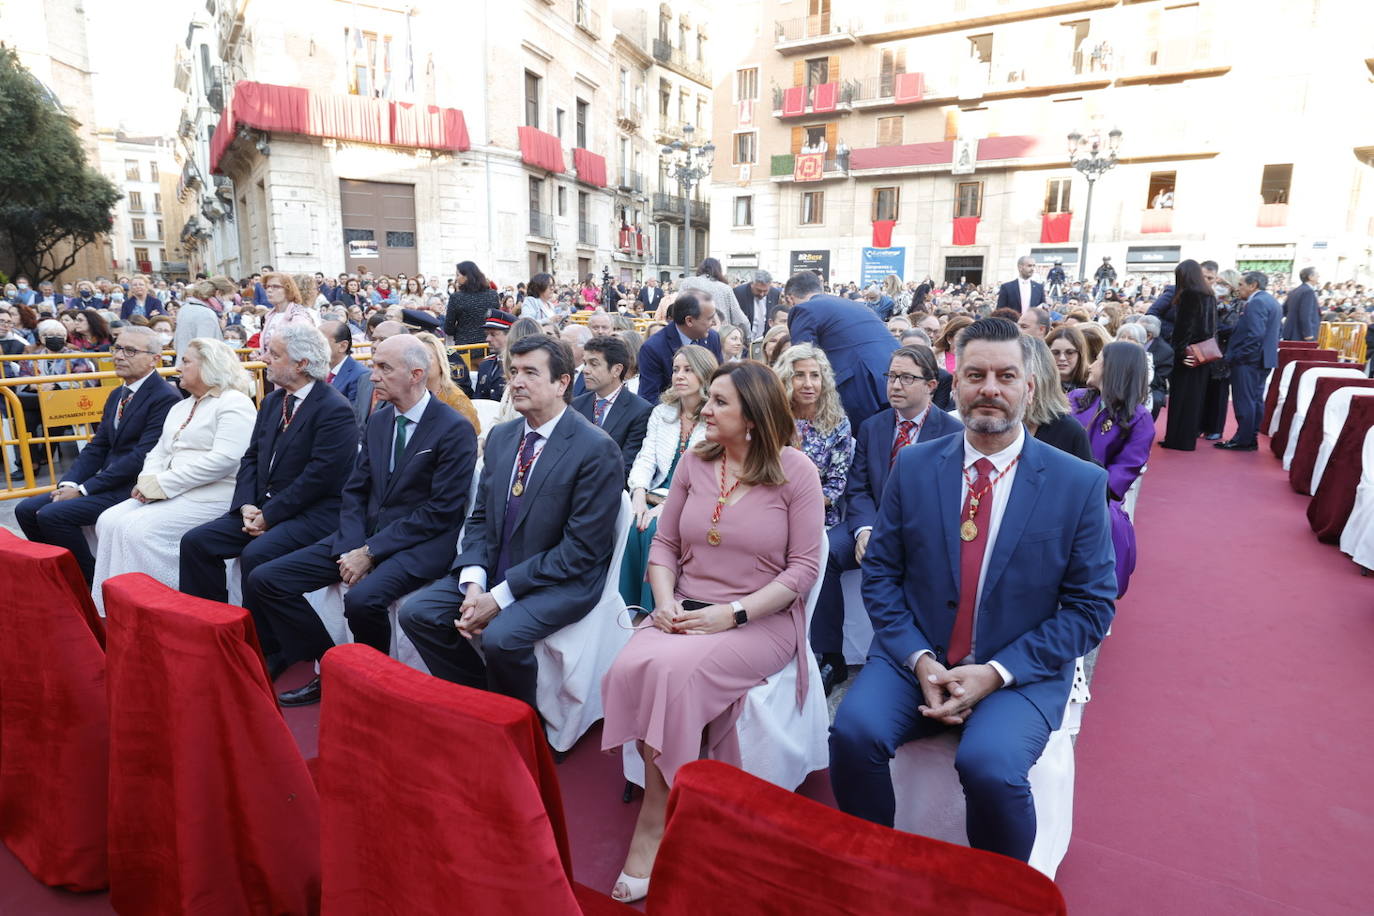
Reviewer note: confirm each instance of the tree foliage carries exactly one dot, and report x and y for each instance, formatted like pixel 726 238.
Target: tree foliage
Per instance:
pixel 52 202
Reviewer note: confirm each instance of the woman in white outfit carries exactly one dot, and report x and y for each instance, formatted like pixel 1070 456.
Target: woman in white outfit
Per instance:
pixel 188 477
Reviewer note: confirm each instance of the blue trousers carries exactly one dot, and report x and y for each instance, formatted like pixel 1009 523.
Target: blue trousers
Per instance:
pixel 1001 741
pixel 827 621
pixel 1247 399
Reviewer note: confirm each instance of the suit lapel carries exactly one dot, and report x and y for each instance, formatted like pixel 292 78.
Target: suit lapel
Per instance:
pixel 303 411
pixel 616 414
pixel 553 451
pixel 503 456
pixel 379 447
pixel 1025 491
pixel 417 441
pixel 948 483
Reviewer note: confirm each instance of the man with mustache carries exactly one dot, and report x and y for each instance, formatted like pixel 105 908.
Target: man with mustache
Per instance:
pixel 989 571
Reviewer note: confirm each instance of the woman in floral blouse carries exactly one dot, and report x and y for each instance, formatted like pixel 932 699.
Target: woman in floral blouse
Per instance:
pixel 823 431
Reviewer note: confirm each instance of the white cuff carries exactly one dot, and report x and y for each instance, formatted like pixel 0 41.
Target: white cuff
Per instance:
pixel 1007 679
pixel 503 595
pixel 915 657
pixel 73 483
pixel 473 575
pixel 861 529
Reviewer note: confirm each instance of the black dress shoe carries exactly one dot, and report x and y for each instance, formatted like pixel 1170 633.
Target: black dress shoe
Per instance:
pixel 301 696
pixel 1212 437
pixel 1234 446
pixel 834 672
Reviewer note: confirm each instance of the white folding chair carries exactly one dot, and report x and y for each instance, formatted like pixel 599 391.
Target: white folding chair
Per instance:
pixel 1284 381
pixel 1333 421
pixel 1357 538
pixel 858 627
pixel 487 412
pixel 1307 387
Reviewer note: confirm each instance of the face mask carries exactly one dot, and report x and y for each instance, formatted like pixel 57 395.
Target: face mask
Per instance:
pixel 116 298
pixel 23 286
pixel 1220 290
pixel 54 344
pixel 165 338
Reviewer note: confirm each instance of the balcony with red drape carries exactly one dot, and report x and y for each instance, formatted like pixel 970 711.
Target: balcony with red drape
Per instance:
pixel 1054 228
pixel 541 149
pixel 966 230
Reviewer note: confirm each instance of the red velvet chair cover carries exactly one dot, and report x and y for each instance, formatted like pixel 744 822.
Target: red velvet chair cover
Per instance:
pixel 1286 356
pixel 1335 496
pixel 1297 345
pixel 733 837
pixel 436 798
pixel 1278 443
pixel 1310 438
pixel 212 809
pixel 54 722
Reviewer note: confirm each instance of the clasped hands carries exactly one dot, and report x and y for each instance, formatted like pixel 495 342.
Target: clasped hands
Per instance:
pixel 354 565
pixel 951 693
pixel 674 618
pixel 476 611
pixel 253 522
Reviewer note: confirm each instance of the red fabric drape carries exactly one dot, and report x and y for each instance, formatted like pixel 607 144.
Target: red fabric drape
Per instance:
pixel 1161 220
pixel 793 101
pixel 1054 227
pixel 882 232
pixel 733 837
pixel 966 230
pixel 1286 356
pixel 1297 344
pixel 1335 497
pixel 541 149
pixel 54 722
pixel 435 797
pixel 212 809
pixel 591 168
pixel 1278 443
pixel 428 127
pixel 909 87
pixel 1310 438
pixel 824 96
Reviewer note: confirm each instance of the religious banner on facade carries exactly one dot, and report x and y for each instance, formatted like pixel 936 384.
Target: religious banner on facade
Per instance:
pixel 808 167
pixel 877 263
pixel 965 155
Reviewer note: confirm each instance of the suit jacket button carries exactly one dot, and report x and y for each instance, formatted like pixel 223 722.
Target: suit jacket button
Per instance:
pixel 952 605
pixel 939 653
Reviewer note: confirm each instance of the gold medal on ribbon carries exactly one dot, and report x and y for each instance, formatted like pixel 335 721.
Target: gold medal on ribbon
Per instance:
pixel 968 530
pixel 713 537
pixel 517 489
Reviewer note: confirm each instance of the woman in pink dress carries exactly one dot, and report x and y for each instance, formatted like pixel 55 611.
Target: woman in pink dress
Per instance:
pixel 736 553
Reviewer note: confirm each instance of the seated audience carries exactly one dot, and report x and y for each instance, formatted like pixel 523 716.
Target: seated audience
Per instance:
pixel 823 431
pixel 775 340
pixel 344 371
pixel 491 371
pixel 732 343
pixel 1047 415
pixel 440 381
pixel 196 318
pixel 692 312
pixel 607 401
pixel 1069 352
pixel 1035 322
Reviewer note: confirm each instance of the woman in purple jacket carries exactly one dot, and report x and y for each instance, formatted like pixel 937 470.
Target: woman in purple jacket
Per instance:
pixel 1114 410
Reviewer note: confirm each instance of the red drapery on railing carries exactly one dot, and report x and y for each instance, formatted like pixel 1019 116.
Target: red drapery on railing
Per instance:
pixel 824 97
pixel 882 232
pixel 793 101
pixel 591 168
pixel 1054 227
pixel 541 149
pixel 1160 220
pixel 966 230
pixel 909 87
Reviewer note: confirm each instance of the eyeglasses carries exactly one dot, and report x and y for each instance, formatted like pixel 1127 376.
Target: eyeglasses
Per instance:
pixel 904 379
pixel 118 350
pixel 273 286
pixel 1064 355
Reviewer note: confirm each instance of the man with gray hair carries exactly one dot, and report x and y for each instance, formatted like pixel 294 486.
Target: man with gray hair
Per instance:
pixel 287 490
pixel 1253 351
pixel 758 297
pixel 1162 355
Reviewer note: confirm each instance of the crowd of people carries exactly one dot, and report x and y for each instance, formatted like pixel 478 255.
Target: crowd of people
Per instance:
pixel 971 451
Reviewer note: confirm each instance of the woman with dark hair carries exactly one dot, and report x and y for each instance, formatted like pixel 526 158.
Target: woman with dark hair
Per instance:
pixel 1070 353
pixel 540 298
pixel 1113 411
pixel 351 294
pixel 469 305
pixel 738 543
pixel 93 329
pixel 710 279
pixel 1195 320
pixel 944 344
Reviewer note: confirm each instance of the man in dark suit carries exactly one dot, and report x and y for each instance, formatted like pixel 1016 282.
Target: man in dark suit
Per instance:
pixel 402 508
pixel 367 400
pixel 1023 293
pixel 650 295
pixel 691 314
pixel 856 340
pixel 344 371
pixel 1301 314
pixel 990 570
pixel 1252 352
pixel 758 298
pixel 911 381
pixel 491 375
pixel 607 402
pixel 536 548
pixel 287 492
pixel 107 469
pixel 1163 355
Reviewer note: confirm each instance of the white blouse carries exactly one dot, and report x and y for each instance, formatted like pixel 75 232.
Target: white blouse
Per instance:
pixel 660 447
pixel 203 439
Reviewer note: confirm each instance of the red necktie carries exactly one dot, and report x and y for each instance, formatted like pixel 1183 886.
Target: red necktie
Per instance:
pixel 329 380
pixel 903 439
pixel 971 564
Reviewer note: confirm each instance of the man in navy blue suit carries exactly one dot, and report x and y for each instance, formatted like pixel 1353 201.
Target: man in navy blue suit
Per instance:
pixel 911 380
pixel 1023 293
pixel 398 524
pixel 1302 315
pixel 1253 351
pixel 691 314
pixel 990 570
pixel 344 371
pixel 607 402
pixel 286 495
pixel 853 336
pixel 107 469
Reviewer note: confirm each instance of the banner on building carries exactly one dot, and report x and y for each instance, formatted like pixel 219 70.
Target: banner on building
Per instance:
pixel 877 263
pixel 363 248
pixel 808 167
pixel 818 261
pixel 965 156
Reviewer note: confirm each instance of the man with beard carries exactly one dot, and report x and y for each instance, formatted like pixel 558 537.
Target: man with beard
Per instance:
pixel 990 570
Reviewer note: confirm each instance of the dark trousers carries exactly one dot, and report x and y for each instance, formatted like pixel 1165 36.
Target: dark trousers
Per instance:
pixel 205 548
pixel 1247 394
pixel 827 620
pixel 276 592
pixel 999 744
pixel 60 524
pixel 507 642
pixel 1214 401
pixel 1187 386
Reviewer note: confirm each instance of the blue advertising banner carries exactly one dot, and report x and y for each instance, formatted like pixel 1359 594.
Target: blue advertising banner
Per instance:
pixel 879 262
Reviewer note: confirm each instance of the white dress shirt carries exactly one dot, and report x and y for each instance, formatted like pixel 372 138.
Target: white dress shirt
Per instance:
pixel 416 411
pixel 1025 287
pixel 920 421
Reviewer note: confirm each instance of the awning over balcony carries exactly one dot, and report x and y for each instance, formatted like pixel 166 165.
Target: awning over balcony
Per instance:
pixel 591 168
pixel 293 110
pixel 542 149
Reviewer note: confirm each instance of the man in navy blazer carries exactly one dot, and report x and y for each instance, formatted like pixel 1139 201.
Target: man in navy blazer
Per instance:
pixel 536 549
pixel 691 314
pixel 344 371
pixel 1302 315
pixel 911 380
pixel 286 495
pixel 398 524
pixel 108 467
pixel 1252 352
pixel 1023 293
pixel 650 295
pixel 855 339
pixel 607 402
pixel 757 299
pixel 990 570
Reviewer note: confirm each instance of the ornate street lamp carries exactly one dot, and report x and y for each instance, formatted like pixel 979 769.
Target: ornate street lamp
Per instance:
pixel 1086 154
pixel 688 164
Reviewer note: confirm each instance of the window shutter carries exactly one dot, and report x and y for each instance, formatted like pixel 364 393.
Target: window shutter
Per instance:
pixel 834 68
pixel 952 124
pixel 798 138
pixel 798 73
pixel 831 130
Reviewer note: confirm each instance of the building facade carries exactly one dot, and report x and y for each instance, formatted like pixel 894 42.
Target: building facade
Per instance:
pixel 874 137
pixel 141 238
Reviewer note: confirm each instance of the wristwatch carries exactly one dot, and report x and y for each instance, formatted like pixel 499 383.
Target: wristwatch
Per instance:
pixel 741 615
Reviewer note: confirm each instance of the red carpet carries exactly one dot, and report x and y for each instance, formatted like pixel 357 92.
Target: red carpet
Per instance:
pixel 1222 767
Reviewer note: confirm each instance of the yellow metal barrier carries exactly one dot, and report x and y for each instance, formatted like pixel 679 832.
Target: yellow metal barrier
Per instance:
pixel 1346 336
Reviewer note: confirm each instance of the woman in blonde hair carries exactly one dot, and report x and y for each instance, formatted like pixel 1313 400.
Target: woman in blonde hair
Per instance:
pixel 188 477
pixel 440 380
pixel 823 431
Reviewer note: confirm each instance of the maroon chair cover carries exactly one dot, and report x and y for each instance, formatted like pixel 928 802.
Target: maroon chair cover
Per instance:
pixel 436 798
pixel 733 837
pixel 54 722
pixel 1335 496
pixel 1310 438
pixel 212 809
pixel 1278 442
pixel 1286 356
pixel 1297 345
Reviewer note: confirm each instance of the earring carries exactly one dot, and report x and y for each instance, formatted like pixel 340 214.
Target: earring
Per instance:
pixel 748 437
